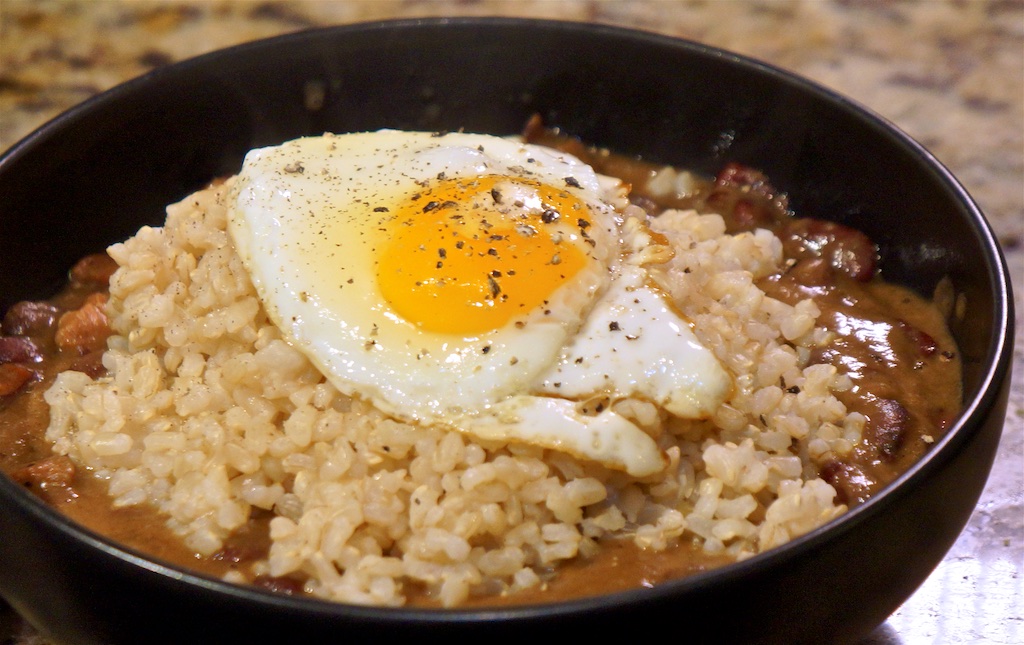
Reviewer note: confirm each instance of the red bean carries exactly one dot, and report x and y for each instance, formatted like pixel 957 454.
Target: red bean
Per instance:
pixel 96 268
pixel 90 364
pixel 52 472
pixel 13 377
pixel 19 349
pixel 29 316
pixel 847 249
pixel 925 343
pixel 740 176
pixel 887 427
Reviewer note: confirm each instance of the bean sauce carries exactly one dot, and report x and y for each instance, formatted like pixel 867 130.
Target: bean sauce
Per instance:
pixel 891 342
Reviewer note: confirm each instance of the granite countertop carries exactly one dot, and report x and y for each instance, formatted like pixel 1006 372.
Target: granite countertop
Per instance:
pixel 950 74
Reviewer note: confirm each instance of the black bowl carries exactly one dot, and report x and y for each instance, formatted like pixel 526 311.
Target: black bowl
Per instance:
pixel 92 176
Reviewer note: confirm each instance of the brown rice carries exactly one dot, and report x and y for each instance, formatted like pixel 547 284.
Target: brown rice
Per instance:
pixel 208 414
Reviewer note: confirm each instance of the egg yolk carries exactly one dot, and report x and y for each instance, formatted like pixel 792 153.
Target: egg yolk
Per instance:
pixel 466 256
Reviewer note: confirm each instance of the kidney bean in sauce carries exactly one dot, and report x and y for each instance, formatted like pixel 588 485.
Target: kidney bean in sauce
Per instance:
pixel 38 339
pixel 892 343
pixel 43 338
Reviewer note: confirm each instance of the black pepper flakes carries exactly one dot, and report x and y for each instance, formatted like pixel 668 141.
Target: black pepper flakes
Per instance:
pixel 572 181
pixel 549 216
pixel 613 326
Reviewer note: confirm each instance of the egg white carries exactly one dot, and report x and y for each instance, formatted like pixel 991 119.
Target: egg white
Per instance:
pixel 309 219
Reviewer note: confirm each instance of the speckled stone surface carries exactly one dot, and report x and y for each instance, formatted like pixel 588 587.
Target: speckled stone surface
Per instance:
pixel 949 73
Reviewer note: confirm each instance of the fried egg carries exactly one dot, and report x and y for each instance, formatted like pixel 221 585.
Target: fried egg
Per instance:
pixel 472 282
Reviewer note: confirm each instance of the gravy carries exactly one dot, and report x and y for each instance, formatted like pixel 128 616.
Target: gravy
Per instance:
pixel 892 343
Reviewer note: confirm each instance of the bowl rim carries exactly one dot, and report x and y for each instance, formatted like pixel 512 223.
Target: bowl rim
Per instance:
pixel 997 359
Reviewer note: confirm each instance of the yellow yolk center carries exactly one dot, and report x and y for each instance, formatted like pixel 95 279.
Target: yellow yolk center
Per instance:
pixel 466 256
